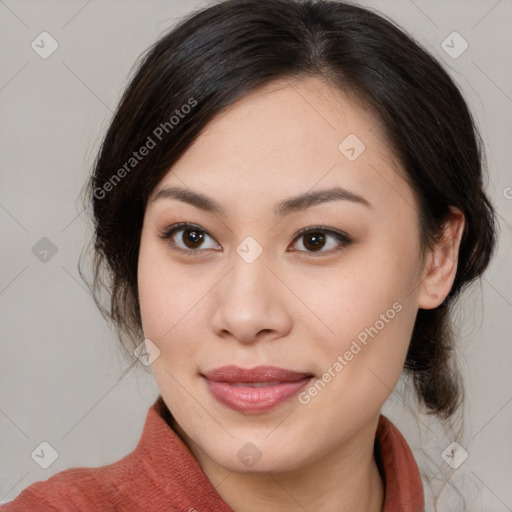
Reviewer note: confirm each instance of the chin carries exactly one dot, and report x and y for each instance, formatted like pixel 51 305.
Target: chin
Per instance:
pixel 267 460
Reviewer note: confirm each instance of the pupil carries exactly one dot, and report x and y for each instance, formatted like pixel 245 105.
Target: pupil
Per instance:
pixel 193 239
pixel 314 241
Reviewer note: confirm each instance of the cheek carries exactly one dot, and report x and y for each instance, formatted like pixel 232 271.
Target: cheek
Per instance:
pixel 167 316
pixel 358 294
pixel 161 290
pixel 172 305
pixel 369 310
pixel 362 366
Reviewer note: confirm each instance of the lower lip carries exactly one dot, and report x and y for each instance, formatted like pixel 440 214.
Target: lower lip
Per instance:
pixel 255 400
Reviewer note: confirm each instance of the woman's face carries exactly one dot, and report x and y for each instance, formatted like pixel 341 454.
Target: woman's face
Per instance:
pixel 331 310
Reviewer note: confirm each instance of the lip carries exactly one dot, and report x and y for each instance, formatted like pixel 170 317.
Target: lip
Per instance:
pixel 254 390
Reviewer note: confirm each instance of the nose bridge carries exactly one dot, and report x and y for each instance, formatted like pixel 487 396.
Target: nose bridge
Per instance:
pixel 249 272
pixel 248 302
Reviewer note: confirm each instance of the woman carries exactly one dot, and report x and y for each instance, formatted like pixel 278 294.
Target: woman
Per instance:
pixel 287 203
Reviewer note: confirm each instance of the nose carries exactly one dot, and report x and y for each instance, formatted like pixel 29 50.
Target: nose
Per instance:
pixel 251 304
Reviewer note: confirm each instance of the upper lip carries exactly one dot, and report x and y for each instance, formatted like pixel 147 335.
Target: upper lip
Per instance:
pixel 233 373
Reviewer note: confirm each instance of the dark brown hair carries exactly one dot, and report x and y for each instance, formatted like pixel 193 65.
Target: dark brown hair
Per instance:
pixel 219 54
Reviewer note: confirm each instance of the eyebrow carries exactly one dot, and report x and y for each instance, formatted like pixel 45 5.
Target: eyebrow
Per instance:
pixel 286 207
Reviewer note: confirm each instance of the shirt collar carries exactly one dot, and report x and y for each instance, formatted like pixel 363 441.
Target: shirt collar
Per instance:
pixel 402 482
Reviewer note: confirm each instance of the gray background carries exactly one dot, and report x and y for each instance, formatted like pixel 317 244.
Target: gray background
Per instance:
pixel 62 379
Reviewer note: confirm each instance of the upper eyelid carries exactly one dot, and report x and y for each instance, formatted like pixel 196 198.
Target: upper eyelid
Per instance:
pixel 190 225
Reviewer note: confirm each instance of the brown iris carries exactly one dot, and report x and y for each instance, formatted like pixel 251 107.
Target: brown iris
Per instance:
pixel 314 241
pixel 192 238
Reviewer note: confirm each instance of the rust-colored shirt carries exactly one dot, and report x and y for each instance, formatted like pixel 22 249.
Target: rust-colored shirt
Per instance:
pixel 161 474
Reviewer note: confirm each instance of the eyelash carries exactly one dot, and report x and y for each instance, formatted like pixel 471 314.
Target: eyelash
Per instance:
pixel 343 238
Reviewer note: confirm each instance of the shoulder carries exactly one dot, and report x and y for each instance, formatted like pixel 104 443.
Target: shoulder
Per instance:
pixel 125 484
pixel 129 483
pixel 67 490
pixel 161 474
pixel 77 489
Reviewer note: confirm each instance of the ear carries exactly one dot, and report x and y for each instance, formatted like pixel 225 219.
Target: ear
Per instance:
pixel 441 263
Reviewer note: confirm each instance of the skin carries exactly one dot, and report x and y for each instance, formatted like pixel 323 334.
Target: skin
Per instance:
pixel 293 307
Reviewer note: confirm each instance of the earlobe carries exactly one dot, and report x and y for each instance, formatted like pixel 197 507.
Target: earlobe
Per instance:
pixel 441 264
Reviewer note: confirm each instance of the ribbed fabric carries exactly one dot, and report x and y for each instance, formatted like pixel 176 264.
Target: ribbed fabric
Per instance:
pixel 161 474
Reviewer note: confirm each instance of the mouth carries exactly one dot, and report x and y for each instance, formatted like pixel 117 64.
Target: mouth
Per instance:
pixel 254 390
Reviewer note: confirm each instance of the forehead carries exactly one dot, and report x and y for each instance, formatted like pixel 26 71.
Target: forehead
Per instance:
pixel 288 137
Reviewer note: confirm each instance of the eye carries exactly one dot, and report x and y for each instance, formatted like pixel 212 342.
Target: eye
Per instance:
pixel 191 239
pixel 318 239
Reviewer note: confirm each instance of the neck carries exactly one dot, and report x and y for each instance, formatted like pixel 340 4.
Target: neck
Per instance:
pixel 346 479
